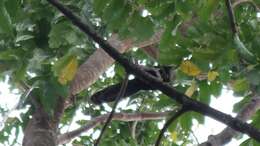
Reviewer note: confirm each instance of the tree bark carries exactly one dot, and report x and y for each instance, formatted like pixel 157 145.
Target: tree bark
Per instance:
pixel 39 131
pixel 99 61
pixel 125 117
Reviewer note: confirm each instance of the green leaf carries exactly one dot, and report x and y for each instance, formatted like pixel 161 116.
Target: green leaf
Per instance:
pixel 172 55
pixel 62 63
pixel 167 40
pixel 240 86
pixel 36 40
pixel 23 38
pixel 62 34
pixel 207 9
pixel 250 142
pixel 9 55
pixel 255 143
pixel 247 142
pixel 183 7
pixel 68 71
pixel 164 101
pixel 256 45
pixel 20 73
pixel 199 117
pixel 258 89
pixel 205 54
pixel 182 77
pixel 239 105
pixel 212 75
pixel 43 30
pixel 141 28
pixel 5 20
pixel 189 68
pixel 174 144
pixel 52 90
pixel 204 92
pixel 163 10
pixel 229 57
pixel 253 77
pixel 13 8
pixel 113 10
pixel 256 120
pixel 58 89
pixel 215 88
pixel 99 6
pixel 224 75
pixel 117 20
pixel 186 121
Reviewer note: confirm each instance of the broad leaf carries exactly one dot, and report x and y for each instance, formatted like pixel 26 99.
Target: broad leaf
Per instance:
pixel 189 68
pixel 65 68
pixel 240 86
pixel 5 20
pixel 212 75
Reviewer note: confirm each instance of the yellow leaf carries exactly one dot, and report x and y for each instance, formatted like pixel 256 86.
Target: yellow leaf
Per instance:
pixel 212 75
pixel 193 87
pixel 68 72
pixel 174 136
pixel 189 68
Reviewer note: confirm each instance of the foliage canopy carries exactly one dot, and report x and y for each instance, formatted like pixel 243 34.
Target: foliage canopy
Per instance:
pixel 41 49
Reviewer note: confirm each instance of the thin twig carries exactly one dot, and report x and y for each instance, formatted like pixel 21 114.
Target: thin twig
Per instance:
pixel 120 94
pixel 133 129
pixel 241 48
pixel 231 17
pixel 239 2
pixel 195 137
pixel 134 125
pixel 168 123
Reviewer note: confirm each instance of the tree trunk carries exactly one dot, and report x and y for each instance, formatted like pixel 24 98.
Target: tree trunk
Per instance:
pixel 38 131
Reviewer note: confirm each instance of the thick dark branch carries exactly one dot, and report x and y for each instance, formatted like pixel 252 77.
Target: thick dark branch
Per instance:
pixel 125 117
pixel 39 127
pixel 227 134
pixel 164 87
pixel 109 94
pixel 168 123
pixel 231 17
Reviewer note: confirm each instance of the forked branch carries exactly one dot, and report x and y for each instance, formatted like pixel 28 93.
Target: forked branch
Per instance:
pixel 168 123
pixel 120 94
pixel 163 87
pixel 125 117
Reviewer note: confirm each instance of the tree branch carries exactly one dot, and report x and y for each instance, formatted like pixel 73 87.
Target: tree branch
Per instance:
pixel 125 117
pixel 231 17
pixel 99 61
pixel 168 123
pixel 109 94
pixel 227 134
pixel 163 87
pixel 239 2
pixel 119 96
pixel 58 112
